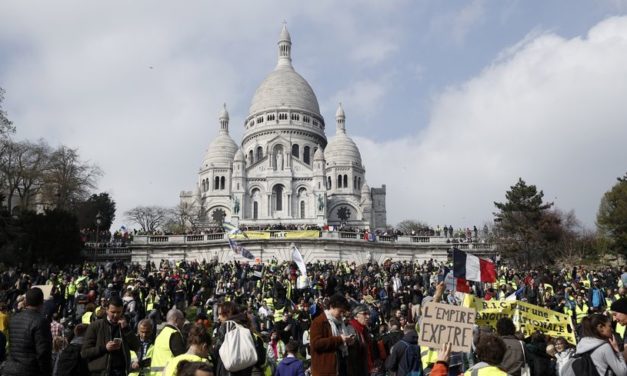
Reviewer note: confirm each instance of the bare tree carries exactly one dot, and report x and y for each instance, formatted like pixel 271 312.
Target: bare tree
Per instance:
pixel 186 216
pixel 68 179
pixel 6 126
pixel 150 218
pixel 32 167
pixel 409 225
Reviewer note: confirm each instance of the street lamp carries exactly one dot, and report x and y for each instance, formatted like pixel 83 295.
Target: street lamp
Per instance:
pixel 98 222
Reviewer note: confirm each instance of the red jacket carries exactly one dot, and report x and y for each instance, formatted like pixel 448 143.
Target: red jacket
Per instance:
pixel 324 347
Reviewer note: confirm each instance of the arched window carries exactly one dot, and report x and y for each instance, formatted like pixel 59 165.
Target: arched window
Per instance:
pixel 255 210
pixel 339 181
pixel 302 210
pixel 216 183
pixel 306 154
pixel 328 182
pixel 359 183
pixel 277 192
pixel 259 153
pixel 250 157
pixel 222 181
pixel 354 182
pixel 345 181
pixel 295 151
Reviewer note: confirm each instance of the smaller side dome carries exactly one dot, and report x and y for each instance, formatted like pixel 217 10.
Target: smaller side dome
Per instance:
pixel 222 149
pixel 239 156
pixel 319 154
pixel 365 188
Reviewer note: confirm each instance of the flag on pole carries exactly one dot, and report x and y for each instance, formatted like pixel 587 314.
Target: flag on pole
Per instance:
pixel 240 250
pixel 298 259
pixel 232 229
pixel 472 268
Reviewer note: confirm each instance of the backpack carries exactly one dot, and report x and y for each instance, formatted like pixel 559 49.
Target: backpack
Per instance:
pixel 410 362
pixel 582 365
pixel 238 350
pixel 69 362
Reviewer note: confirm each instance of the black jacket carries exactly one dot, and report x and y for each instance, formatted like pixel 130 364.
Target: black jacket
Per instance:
pixel 30 347
pixel 94 349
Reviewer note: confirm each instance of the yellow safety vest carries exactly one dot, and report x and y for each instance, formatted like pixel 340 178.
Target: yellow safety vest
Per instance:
pixel 289 290
pixel 150 303
pixel 270 303
pixel 586 283
pixel 428 356
pixel 170 369
pixel 70 290
pixel 580 313
pixel 162 353
pixel 486 371
pixel 146 370
pixel 620 329
pixel 568 311
pixel 86 319
pixel 278 314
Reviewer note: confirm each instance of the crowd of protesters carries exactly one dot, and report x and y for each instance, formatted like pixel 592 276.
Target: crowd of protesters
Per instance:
pixel 180 318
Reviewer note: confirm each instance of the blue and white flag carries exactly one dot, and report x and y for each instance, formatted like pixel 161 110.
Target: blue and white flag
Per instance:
pixel 240 250
pixel 232 229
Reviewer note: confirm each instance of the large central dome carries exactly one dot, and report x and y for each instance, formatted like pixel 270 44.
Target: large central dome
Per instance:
pixel 284 88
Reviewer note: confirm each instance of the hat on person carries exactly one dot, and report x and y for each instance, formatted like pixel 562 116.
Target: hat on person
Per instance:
pixel 359 309
pixel 619 306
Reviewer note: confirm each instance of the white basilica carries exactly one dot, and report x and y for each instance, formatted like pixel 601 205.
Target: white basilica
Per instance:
pixel 285 171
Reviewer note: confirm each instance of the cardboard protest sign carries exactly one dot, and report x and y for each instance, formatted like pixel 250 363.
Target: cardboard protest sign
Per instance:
pixel 445 323
pixel 47 290
pixel 528 318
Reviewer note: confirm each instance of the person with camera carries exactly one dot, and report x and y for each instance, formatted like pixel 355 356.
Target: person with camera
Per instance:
pixel 108 342
pixel 329 341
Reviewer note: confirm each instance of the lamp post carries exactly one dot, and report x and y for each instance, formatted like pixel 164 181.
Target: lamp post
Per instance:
pixel 98 222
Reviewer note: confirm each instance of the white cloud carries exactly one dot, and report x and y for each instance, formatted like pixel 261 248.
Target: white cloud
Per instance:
pixel 362 97
pixel 458 23
pixel 552 113
pixel 373 51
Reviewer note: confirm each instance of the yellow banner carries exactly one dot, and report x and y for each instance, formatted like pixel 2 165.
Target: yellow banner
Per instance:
pixel 251 235
pixel 527 317
pixel 302 234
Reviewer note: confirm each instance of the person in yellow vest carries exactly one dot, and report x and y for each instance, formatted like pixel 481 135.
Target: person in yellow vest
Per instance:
pixel 169 342
pixel 140 360
pixel 490 352
pixel 101 310
pixel 198 341
pixel 619 312
pixel 581 309
pixel 88 316
pixel 4 318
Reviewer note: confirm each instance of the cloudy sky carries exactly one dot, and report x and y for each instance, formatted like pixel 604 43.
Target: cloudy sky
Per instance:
pixel 450 102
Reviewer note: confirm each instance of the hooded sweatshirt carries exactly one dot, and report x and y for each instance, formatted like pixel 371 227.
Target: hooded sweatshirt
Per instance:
pixel 290 366
pixel 603 356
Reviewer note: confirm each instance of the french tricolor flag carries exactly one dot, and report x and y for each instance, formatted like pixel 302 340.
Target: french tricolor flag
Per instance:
pixel 472 268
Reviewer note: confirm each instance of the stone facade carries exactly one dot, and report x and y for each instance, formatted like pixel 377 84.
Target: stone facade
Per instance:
pixel 285 171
